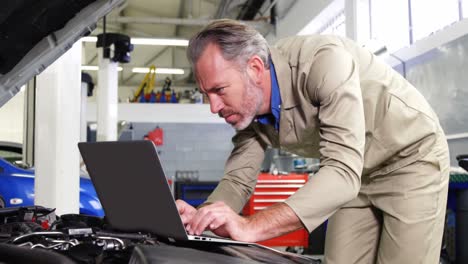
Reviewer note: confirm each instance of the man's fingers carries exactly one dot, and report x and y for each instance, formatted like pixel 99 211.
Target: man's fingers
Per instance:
pixel 203 224
pixel 205 217
pixel 182 206
pixel 196 219
pixel 203 214
pixel 186 218
pixel 186 211
pixel 211 221
pixel 185 208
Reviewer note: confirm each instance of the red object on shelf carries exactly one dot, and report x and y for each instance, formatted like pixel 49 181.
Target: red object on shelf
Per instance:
pixel 271 189
pixel 157 136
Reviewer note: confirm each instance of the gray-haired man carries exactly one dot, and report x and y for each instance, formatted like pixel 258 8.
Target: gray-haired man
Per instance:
pixel 384 162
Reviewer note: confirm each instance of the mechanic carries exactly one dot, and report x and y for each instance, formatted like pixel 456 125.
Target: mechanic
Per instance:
pixel 384 162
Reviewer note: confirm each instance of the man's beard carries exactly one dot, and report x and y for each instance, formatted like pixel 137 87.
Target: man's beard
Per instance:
pixel 251 102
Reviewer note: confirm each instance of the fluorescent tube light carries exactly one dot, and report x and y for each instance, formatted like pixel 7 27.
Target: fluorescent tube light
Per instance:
pixel 148 41
pixel 159 70
pixel 89 39
pixel 89 68
pixel 95 68
pixel 159 42
pixel 138 69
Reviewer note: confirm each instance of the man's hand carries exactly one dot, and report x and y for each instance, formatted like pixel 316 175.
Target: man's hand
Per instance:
pixel 186 211
pixel 274 221
pixel 221 220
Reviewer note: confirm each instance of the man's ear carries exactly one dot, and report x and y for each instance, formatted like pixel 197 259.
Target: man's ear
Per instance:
pixel 256 69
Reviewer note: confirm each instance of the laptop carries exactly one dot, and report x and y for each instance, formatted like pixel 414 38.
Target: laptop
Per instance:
pixel 134 192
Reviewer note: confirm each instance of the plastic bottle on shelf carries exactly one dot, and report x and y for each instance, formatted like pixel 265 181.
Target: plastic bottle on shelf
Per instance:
pixel 163 98
pixel 173 97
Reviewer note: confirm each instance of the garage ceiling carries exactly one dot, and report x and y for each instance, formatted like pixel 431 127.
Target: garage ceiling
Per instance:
pixel 175 19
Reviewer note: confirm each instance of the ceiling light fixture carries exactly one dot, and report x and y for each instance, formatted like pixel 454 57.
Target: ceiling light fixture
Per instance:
pixel 138 69
pixel 148 41
pixel 159 42
pixel 89 39
pixel 95 68
pixel 159 70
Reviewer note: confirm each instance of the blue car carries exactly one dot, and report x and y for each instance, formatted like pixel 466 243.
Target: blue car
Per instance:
pixel 17 183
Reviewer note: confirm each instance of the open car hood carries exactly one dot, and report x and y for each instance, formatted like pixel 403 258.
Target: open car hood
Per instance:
pixel 34 33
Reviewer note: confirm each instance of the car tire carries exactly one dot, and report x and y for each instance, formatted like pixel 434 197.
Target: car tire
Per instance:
pixel 2 202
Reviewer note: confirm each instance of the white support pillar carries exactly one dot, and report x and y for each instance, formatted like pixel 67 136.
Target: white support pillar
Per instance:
pixel 107 99
pixel 84 103
pixel 357 20
pixel 58 132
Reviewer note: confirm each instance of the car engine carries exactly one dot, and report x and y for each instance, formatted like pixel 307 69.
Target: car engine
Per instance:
pixel 35 234
pixel 79 237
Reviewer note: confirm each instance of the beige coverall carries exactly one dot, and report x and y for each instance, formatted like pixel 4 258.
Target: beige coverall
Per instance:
pixel 384 162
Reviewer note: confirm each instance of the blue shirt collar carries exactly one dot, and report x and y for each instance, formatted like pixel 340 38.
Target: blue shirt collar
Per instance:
pixel 272 118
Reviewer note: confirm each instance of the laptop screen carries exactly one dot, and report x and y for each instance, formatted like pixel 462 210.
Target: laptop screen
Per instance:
pixel 132 187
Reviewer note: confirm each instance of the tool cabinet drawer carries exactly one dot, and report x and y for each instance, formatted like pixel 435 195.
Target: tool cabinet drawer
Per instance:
pixel 271 189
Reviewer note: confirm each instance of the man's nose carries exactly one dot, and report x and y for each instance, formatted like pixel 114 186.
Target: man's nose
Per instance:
pixel 215 104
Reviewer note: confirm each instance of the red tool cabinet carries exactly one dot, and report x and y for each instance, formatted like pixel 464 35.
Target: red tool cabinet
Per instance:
pixel 273 189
